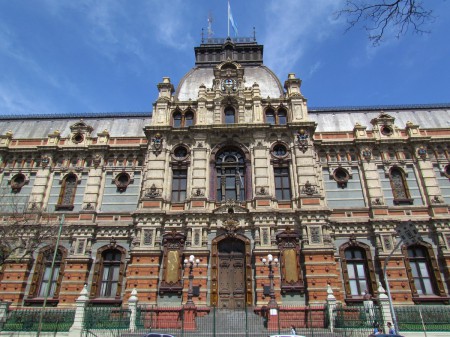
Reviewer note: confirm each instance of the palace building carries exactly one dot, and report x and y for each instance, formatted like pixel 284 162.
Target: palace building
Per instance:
pixel 230 166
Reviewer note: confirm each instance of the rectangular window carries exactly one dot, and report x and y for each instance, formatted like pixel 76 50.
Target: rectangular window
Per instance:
pixel 109 281
pixel 179 185
pixel 282 183
pixel 46 279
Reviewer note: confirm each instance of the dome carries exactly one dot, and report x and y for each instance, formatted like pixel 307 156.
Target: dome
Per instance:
pixel 268 82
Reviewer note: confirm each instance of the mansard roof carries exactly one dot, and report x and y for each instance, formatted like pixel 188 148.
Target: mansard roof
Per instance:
pixel 131 124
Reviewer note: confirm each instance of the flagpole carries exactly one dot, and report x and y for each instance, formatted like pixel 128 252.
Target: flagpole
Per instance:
pixel 228 21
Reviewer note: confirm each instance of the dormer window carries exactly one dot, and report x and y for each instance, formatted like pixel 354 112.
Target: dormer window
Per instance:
pixel 230 115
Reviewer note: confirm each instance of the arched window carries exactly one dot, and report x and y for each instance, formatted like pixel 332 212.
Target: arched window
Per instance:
pixel 270 116
pixel 230 115
pixel 43 280
pixel 67 193
pixel 420 272
pixel 177 117
pixel 281 172
pixel 230 170
pixel 423 272
pixel 399 187
pixel 282 116
pixel 357 270
pixel 278 117
pixel 108 273
pixel 183 119
pixel 188 118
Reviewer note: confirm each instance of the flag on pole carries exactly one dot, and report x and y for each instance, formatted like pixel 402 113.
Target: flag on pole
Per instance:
pixel 231 20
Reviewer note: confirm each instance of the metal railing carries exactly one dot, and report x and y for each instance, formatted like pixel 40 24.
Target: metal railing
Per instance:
pixel 423 318
pixel 53 320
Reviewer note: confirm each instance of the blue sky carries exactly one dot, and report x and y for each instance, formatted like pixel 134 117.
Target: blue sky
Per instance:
pixel 61 56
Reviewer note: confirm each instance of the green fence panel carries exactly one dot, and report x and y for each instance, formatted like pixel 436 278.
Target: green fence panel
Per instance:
pixel 418 317
pixel 53 320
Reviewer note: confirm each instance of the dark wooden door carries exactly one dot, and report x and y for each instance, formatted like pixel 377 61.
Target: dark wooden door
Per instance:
pixel 231 274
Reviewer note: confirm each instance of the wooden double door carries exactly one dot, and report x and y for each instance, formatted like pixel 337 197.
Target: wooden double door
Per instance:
pixel 231 275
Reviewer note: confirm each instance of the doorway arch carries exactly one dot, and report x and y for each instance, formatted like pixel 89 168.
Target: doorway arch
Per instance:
pixel 231 272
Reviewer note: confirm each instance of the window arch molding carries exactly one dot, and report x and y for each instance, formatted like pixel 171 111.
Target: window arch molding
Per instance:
pixel 369 268
pixel 246 168
pixel 99 273
pixel 433 269
pixel 41 275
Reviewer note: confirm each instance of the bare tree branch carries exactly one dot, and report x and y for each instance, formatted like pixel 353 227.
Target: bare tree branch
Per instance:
pixel 378 17
pixel 22 232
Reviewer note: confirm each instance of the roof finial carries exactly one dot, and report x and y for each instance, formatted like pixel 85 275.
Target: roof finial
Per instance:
pixel 254 34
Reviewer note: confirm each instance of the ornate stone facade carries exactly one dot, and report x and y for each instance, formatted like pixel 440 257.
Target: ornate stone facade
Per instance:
pixel 230 167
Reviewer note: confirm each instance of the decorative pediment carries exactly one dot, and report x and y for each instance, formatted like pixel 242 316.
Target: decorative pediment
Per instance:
pixel 81 126
pixel 231 207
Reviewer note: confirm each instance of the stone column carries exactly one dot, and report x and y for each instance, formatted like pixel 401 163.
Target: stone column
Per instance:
pixel 4 308
pixel 190 311
pixel 369 309
pixel 385 308
pixel 132 304
pixel 331 305
pixel 77 327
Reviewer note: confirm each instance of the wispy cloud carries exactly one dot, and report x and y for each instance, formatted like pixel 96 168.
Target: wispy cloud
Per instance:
pixel 291 32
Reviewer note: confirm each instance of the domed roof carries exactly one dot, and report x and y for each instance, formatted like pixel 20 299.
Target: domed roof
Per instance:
pixel 268 82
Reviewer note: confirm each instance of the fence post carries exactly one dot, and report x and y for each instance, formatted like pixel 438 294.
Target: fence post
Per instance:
pixel 385 307
pixel 77 327
pixel 331 306
pixel 132 304
pixel 4 308
pixel 369 309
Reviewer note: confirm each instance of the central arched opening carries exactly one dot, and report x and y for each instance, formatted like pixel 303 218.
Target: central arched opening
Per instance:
pixel 231 273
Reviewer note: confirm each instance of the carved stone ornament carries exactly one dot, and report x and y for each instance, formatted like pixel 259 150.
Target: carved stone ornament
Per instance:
pixel 367 154
pixel 88 207
pixel 45 160
pixel 262 191
pixel 96 160
pixel 377 201
pixel 309 189
pixel 198 192
pixel 230 226
pixel 437 200
pixel 422 152
pixel 157 143
pixel 302 140
pixel 112 243
pixel 152 192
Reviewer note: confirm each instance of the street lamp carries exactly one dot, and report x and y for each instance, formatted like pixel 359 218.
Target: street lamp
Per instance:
pixel 270 261
pixel 190 263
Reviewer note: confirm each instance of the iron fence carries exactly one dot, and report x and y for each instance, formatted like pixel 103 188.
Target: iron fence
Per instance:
pixel 53 320
pixel 356 320
pixel 423 318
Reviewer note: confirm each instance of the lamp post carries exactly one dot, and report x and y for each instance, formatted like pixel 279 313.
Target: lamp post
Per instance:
pixel 270 261
pixel 190 263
